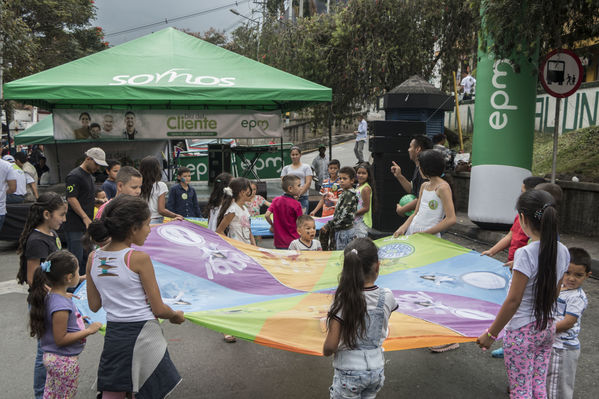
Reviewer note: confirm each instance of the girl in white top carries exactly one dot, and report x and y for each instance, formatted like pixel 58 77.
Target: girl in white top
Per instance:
pixel 153 191
pixel 212 210
pixel 234 217
pixel 527 314
pixel 301 170
pixel 122 281
pixel 434 210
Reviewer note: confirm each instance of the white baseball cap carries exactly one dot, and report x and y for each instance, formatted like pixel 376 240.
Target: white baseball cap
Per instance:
pixel 9 158
pixel 98 155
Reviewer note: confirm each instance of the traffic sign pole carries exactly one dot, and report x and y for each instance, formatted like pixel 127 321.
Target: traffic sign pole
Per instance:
pixel 555 138
pixel 560 75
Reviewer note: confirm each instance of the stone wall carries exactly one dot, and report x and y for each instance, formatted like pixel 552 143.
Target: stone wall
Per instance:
pixel 579 210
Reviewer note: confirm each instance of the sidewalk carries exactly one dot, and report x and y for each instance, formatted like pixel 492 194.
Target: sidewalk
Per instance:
pixel 465 227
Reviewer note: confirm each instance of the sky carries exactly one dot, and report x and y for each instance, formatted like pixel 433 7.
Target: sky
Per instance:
pixel 115 16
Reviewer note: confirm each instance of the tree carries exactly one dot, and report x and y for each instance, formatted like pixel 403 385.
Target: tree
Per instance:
pixel 212 35
pixel 41 34
pixel 518 27
pixel 365 48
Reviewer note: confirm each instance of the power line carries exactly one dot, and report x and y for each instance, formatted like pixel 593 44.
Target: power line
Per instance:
pixel 167 20
pixel 228 28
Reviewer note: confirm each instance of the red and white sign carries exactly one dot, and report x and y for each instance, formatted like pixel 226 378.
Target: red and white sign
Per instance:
pixel 561 73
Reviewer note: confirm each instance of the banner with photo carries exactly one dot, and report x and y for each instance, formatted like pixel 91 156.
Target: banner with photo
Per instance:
pixel 111 125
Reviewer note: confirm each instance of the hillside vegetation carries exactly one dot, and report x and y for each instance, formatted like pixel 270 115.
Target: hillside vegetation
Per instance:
pixel 577 154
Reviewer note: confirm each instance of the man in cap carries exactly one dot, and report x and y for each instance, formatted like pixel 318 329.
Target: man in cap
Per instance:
pixel 81 190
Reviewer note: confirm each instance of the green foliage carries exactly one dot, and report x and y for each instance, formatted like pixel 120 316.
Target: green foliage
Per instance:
pixel 516 26
pixel 40 34
pixel 366 47
pixel 212 35
pixel 577 154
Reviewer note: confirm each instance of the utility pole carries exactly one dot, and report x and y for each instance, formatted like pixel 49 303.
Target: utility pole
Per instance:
pixel 257 28
pixel 1 82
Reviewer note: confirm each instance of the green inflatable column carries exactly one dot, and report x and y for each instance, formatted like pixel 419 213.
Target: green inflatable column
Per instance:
pixel 503 136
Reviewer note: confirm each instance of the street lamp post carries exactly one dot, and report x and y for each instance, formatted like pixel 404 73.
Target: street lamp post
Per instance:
pixel 258 25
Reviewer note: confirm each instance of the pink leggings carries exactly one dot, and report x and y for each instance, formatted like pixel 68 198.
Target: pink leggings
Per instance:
pixel 62 373
pixel 526 353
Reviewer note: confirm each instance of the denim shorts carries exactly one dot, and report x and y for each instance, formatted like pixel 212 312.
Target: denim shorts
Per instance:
pixel 357 383
pixel 344 237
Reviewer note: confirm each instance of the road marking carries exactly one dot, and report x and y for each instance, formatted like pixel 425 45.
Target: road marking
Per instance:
pixel 11 286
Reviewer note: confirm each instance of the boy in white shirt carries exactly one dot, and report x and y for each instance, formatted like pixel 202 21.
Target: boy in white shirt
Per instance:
pixel 306 227
pixel 571 302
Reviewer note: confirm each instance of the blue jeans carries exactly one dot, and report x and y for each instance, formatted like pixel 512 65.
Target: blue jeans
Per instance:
pixel 15 199
pixel 344 237
pixel 305 203
pixel 39 373
pixel 76 248
pixel 357 383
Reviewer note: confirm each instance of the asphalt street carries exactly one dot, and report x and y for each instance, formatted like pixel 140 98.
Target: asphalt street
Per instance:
pixel 214 369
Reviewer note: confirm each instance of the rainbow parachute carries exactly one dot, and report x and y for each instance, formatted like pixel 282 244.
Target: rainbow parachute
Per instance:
pixel 446 293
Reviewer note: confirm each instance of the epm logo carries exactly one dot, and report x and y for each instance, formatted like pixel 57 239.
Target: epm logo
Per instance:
pixel 253 123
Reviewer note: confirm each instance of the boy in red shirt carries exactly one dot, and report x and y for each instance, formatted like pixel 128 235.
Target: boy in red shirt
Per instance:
pixel 515 238
pixel 286 209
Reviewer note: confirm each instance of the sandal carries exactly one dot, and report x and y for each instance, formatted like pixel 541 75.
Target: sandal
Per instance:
pixel 443 348
pixel 230 339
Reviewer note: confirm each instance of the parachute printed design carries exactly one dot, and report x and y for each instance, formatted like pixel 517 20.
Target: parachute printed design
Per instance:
pixel 446 293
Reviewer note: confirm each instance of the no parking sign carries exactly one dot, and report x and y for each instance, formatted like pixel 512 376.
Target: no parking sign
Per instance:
pixel 561 73
pixel 561 76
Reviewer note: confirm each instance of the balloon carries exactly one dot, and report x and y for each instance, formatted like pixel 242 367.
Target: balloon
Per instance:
pixel 406 199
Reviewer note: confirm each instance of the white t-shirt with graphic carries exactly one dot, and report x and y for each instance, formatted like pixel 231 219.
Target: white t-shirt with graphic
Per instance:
pixel 239 228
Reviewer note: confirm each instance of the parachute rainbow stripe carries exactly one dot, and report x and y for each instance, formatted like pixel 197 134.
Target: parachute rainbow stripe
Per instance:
pixel 446 293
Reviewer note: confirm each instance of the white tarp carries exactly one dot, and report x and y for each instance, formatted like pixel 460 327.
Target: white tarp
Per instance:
pixel 108 124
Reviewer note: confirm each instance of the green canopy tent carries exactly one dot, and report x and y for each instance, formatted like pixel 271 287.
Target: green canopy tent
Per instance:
pixel 40 133
pixel 167 69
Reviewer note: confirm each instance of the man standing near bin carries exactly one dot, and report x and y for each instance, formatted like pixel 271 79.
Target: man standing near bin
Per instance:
pixel 361 135
pixel 81 190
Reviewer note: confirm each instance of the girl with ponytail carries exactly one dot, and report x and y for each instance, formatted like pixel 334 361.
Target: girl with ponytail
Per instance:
pixel 38 240
pixel 234 217
pixel 528 310
pixel 55 321
pixel 358 323
pixel 217 196
pixel 123 282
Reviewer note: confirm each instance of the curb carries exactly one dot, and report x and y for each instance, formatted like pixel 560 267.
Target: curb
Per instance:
pixel 476 233
pixel 491 237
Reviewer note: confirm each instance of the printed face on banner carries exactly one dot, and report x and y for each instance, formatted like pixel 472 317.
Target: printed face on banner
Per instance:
pixel 70 124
